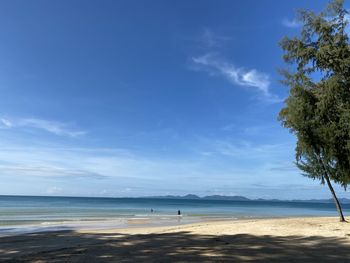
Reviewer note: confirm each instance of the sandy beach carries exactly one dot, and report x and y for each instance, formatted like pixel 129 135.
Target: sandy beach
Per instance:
pixel 259 240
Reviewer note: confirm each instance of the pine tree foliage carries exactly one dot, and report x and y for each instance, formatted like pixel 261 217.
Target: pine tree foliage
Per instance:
pixel 317 110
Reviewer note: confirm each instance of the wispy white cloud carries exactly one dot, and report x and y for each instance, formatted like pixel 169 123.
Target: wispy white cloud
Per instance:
pixel 284 167
pixel 246 150
pixel 96 163
pixel 251 78
pixel 54 190
pixel 209 39
pixel 55 127
pixel 6 123
pixel 291 23
pixel 102 163
pixel 212 164
pixel 45 170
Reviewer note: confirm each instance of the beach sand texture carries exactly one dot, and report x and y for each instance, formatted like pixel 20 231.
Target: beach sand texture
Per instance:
pixel 259 240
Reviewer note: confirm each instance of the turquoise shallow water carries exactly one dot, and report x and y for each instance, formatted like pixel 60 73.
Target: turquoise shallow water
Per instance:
pixel 24 213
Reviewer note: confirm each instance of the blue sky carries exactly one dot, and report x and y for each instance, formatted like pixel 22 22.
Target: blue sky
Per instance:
pixel 135 98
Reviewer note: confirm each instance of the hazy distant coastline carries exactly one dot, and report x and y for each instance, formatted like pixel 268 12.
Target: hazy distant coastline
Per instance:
pixel 243 198
pixel 208 197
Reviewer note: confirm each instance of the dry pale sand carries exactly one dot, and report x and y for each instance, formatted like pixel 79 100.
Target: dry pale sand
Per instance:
pixel 260 240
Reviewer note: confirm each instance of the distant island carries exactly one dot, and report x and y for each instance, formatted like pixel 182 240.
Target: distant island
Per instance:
pixel 208 197
pixel 243 198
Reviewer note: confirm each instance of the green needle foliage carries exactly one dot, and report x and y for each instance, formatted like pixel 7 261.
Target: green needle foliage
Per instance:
pixel 317 110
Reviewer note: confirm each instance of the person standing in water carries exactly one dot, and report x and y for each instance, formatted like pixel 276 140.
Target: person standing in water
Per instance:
pixel 178 212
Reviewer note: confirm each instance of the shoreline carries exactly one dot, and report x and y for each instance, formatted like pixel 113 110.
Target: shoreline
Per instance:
pixel 221 224
pixel 127 223
pixel 107 224
pixel 308 239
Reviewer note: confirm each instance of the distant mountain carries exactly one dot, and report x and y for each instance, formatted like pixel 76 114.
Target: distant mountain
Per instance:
pixel 223 197
pixel 243 198
pixel 189 196
pixel 208 197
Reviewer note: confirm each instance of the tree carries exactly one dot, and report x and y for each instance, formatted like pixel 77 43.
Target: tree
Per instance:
pixel 317 109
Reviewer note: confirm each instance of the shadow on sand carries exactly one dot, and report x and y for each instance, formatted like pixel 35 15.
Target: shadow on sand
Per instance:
pixel 70 246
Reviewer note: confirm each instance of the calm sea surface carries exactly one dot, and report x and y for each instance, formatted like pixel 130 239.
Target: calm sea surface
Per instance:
pixel 24 213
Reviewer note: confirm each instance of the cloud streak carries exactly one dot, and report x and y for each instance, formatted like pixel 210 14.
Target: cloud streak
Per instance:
pixel 245 150
pixel 211 40
pixel 212 164
pixel 250 78
pixel 46 171
pixel 54 127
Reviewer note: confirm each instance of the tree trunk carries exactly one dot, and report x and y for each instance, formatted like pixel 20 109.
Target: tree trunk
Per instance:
pixel 336 201
pixel 326 176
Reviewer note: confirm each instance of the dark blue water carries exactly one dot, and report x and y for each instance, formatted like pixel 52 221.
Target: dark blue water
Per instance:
pixel 24 210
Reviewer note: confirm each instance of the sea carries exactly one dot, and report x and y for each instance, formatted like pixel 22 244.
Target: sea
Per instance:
pixel 26 214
